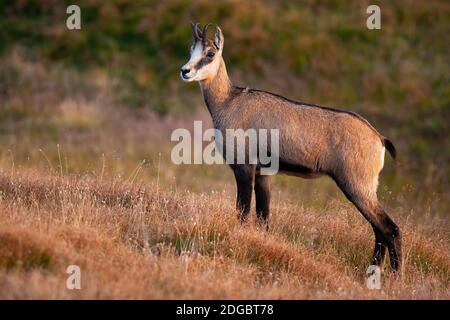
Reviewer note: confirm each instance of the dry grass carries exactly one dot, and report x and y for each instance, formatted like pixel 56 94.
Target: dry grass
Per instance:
pixel 82 106
pixel 136 241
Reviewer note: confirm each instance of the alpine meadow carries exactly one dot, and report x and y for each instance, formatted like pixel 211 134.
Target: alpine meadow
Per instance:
pixel 87 179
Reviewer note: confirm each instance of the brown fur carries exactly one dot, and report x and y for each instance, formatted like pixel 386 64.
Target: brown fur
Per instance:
pixel 314 141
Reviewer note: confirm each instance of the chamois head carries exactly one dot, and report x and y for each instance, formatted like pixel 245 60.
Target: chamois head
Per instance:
pixel 205 55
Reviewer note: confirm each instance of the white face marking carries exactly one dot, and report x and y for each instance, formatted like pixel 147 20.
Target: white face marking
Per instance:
pixel 196 56
pixel 207 71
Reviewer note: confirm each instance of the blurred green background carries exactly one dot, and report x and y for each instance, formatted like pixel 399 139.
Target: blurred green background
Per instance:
pixel 104 99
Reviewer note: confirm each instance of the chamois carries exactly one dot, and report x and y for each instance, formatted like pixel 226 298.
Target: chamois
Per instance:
pixel 313 141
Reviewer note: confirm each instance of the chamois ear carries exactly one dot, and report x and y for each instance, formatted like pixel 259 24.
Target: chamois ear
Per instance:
pixel 218 39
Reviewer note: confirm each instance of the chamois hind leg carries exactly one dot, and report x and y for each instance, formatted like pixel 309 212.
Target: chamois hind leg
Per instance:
pixel 387 233
pixel 379 251
pixel 262 194
pixel 244 175
pixel 392 237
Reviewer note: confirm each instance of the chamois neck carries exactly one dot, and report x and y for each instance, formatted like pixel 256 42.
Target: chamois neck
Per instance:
pixel 217 90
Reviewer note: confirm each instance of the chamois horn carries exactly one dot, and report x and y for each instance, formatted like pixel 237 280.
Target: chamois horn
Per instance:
pixel 205 29
pixel 195 31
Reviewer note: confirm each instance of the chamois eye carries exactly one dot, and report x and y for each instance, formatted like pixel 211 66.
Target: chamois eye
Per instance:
pixel 210 54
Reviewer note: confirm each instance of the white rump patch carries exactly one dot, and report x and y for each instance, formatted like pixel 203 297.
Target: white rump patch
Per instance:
pixel 383 150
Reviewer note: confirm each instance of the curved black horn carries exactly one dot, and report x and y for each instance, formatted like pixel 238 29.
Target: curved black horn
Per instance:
pixel 205 29
pixel 195 31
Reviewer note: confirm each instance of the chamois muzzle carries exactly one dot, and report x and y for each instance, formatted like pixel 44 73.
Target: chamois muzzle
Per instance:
pixel 184 73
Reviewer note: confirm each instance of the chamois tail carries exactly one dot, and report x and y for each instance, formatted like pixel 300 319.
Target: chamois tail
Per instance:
pixel 390 147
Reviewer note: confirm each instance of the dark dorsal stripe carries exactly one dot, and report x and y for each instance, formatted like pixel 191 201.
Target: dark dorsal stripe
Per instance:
pixel 301 103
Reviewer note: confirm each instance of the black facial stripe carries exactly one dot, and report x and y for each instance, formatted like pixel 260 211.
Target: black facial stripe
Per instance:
pixel 202 62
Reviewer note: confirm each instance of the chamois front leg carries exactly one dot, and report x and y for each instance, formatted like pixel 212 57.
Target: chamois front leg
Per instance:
pixel 244 175
pixel 262 194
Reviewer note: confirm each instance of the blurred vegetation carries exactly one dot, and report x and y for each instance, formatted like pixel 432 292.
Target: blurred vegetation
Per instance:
pixel 317 51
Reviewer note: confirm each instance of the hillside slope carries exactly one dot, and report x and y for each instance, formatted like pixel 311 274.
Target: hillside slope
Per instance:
pixel 136 241
pixel 317 51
